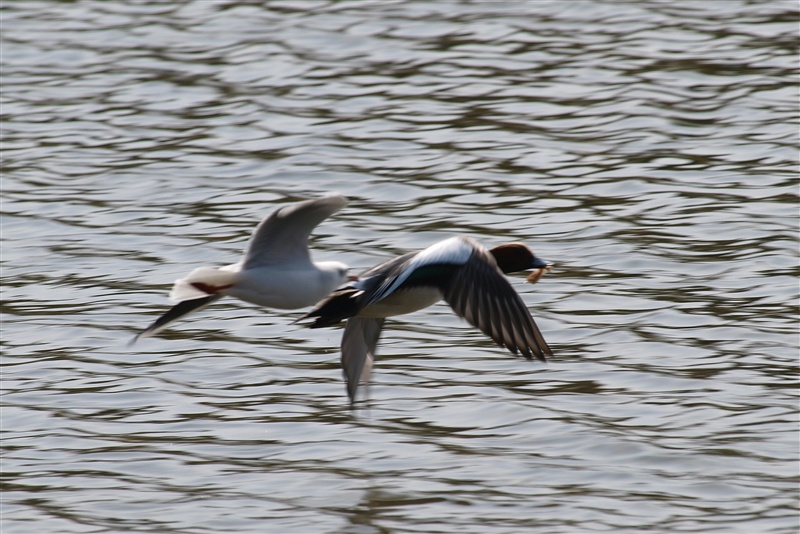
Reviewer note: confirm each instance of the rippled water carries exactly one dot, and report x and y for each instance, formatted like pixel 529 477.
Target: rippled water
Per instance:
pixel 648 149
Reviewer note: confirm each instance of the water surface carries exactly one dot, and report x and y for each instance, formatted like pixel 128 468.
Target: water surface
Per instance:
pixel 648 149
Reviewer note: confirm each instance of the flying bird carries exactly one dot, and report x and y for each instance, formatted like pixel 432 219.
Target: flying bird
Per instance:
pixel 276 270
pixel 459 270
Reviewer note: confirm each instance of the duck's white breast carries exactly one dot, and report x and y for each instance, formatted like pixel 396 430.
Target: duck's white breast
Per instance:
pixel 402 302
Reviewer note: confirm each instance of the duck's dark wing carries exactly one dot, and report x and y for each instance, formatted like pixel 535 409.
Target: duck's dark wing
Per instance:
pixel 480 293
pixel 358 351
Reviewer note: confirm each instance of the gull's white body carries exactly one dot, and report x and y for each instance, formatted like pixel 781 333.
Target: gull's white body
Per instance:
pixel 276 270
pixel 286 287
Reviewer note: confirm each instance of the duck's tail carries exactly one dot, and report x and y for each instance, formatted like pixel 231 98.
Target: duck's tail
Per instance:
pixel 336 307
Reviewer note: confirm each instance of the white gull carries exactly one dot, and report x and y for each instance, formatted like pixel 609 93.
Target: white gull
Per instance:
pixel 276 270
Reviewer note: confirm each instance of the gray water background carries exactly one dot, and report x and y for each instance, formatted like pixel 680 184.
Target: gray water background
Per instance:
pixel 648 149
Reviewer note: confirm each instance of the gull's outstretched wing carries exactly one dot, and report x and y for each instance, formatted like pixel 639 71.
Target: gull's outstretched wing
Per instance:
pixel 282 237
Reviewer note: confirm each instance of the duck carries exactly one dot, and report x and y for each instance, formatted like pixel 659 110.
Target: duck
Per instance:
pixel 276 270
pixel 467 275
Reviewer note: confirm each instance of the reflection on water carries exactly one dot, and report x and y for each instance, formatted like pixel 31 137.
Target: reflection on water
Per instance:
pixel 647 149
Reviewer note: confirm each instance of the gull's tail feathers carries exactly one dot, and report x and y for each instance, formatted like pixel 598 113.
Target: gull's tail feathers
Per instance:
pixel 203 282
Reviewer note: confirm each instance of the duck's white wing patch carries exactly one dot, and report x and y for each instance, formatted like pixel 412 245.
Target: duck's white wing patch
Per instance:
pixel 455 250
pixel 452 251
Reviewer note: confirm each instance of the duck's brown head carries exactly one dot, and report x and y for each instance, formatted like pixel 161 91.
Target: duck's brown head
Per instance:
pixel 516 257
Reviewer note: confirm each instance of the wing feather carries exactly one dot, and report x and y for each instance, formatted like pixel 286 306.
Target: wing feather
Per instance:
pixel 173 314
pixel 283 234
pixel 359 340
pixel 480 293
pixel 454 251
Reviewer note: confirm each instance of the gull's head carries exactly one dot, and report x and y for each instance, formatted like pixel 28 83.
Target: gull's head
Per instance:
pixel 516 257
pixel 337 273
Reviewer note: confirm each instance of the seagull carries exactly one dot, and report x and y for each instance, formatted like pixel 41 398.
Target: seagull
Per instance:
pixel 459 270
pixel 276 270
